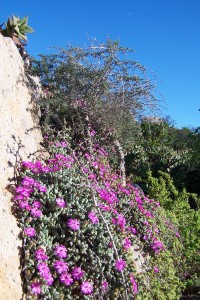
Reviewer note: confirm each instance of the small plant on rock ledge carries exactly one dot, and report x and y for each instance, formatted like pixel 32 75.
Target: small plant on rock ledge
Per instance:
pixel 16 29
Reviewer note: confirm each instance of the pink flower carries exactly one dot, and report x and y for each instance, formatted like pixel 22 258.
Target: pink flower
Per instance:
pixel 66 278
pixel 120 220
pixel 77 273
pixel 36 213
pixel 27 181
pixel 92 132
pixel 49 278
pixel 134 283
pixel 138 200
pixel 146 223
pixel 30 231
pixel 24 205
pixel 133 230
pixel 92 216
pixel 105 285
pixel 36 288
pixel 60 202
pixel 127 244
pixel 86 288
pixel 148 214
pixel 64 144
pixel 157 245
pixel 74 224
pixel 37 204
pixel 104 207
pixel 43 269
pixel 60 266
pixel 42 189
pixel 60 251
pixel 120 264
pixel 40 254
pixel 156 270
pixel 85 170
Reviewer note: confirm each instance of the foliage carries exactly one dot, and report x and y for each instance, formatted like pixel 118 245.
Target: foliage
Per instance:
pixel 101 80
pixel 187 220
pixel 16 27
pixel 83 230
pixel 162 147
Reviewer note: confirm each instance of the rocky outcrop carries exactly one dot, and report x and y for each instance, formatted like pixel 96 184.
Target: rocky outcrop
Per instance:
pixel 20 138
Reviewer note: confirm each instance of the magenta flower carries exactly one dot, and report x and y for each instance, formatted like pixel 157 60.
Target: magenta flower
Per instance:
pixel 92 132
pixel 37 204
pixel 66 278
pixel 49 278
pixel 134 283
pixel 36 213
pixel 120 264
pixel 138 200
pixel 42 188
pixel 60 266
pixel 64 144
pixel 133 230
pixel 157 245
pixel 27 181
pixel 146 223
pixel 93 218
pixel 36 288
pixel 43 269
pixel 104 207
pixel 18 197
pixel 77 273
pixel 60 251
pixel 24 205
pixel 120 220
pixel 127 244
pixel 156 270
pixel 30 231
pixel 74 224
pixel 105 285
pixel 86 288
pixel 60 202
pixel 85 170
pixel 40 254
pixel 148 214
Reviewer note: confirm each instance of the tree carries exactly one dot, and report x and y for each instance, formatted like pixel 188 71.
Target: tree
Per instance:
pixel 99 81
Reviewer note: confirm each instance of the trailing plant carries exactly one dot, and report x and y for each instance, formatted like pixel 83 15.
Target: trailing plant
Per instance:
pixel 86 234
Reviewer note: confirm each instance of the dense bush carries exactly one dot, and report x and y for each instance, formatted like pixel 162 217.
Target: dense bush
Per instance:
pixel 102 79
pixel 163 147
pixel 187 220
pixel 86 235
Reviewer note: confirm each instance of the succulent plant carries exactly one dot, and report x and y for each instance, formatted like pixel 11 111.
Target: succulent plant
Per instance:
pixel 17 29
pixel 86 234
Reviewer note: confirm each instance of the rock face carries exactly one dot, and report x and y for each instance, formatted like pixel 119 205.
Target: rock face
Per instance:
pixel 20 138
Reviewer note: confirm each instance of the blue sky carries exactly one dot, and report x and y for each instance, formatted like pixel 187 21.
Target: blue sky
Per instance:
pixel 165 35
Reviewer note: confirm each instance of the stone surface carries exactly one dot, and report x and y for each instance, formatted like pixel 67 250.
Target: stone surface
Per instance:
pixel 20 138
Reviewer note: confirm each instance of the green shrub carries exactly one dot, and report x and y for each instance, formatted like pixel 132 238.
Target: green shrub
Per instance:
pixel 187 220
